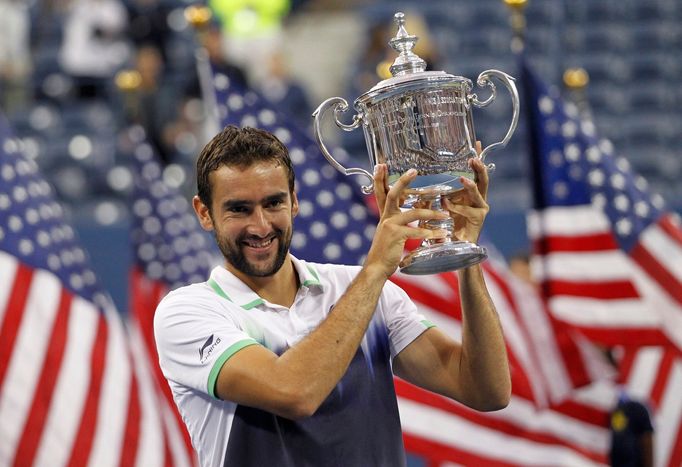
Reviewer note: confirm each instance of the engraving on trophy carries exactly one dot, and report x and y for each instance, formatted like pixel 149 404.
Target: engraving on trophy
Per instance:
pixel 422 129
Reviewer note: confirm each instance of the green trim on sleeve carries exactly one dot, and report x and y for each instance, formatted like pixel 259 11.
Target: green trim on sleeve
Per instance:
pixel 428 324
pixel 225 356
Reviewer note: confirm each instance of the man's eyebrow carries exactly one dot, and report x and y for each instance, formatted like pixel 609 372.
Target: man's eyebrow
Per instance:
pixel 275 197
pixel 231 203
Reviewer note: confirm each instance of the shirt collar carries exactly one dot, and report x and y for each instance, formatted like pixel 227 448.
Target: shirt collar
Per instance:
pixel 231 288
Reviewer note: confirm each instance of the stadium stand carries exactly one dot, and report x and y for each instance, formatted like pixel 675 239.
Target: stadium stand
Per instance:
pixel 631 50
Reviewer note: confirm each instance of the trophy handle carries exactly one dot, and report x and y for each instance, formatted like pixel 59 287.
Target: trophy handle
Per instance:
pixel 339 104
pixel 508 81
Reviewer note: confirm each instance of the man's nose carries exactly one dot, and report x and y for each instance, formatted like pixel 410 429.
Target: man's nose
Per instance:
pixel 260 222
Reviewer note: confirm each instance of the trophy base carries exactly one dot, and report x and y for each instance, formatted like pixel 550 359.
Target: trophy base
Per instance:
pixel 441 257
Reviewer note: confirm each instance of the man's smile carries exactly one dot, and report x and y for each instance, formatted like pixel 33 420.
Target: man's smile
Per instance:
pixel 259 245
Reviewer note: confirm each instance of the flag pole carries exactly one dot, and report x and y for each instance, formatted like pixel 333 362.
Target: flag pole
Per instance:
pixel 128 82
pixel 199 17
pixel 518 24
pixel 575 82
pixel 517 21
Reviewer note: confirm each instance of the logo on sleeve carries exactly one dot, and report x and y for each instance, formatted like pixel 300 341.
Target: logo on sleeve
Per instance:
pixel 206 349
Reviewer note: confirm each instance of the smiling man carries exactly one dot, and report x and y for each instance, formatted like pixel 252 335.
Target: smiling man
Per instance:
pixel 276 361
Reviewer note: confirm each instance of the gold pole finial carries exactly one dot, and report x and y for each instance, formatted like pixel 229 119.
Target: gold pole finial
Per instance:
pixel 198 16
pixel 128 80
pixel 518 23
pixel 516 4
pixel 576 78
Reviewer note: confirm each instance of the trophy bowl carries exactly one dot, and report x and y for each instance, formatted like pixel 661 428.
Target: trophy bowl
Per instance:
pixel 423 120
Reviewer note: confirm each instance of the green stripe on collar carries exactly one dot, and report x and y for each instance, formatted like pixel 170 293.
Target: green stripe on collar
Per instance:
pixel 216 288
pixel 315 281
pixel 255 303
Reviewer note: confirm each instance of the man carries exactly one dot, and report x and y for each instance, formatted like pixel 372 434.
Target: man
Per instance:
pixel 632 434
pixel 275 361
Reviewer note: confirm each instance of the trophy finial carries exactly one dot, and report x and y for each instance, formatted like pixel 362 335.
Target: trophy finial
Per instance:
pixel 399 19
pixel 407 61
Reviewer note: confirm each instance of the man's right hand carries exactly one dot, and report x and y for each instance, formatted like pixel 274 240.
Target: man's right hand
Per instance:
pixel 393 229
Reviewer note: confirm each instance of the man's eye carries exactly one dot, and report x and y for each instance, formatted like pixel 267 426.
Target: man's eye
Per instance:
pixel 275 203
pixel 238 209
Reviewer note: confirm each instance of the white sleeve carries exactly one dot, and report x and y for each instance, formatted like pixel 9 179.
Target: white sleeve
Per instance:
pixel 403 320
pixel 195 335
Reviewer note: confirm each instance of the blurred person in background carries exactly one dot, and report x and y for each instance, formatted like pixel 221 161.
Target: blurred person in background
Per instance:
pixel 15 54
pixel 280 361
pixel 632 434
pixel 284 92
pixel 155 101
pixel 630 427
pixel 189 124
pixel 252 30
pixel 94 46
pixel 148 25
pixel 220 58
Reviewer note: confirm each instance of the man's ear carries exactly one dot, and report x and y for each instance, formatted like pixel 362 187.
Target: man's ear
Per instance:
pixel 203 213
pixel 294 204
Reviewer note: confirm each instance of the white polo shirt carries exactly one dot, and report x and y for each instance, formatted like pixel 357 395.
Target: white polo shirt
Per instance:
pixel 199 327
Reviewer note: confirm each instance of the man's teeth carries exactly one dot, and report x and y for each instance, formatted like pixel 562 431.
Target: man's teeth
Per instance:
pixel 261 244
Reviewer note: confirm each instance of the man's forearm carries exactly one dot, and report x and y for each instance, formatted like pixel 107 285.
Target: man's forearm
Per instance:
pixel 318 362
pixel 484 364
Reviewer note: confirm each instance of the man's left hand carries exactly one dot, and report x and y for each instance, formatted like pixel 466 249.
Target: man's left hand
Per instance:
pixel 468 206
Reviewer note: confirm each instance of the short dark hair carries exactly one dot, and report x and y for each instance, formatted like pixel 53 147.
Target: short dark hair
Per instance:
pixel 241 147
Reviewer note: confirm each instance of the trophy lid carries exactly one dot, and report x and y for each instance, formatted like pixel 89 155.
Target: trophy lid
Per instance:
pixel 408 69
pixel 407 61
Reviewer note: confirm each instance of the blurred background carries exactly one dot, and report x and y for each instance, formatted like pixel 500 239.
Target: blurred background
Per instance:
pixel 75 75
pixel 75 72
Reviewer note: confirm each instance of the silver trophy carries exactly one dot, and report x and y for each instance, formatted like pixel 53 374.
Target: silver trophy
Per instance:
pixel 422 119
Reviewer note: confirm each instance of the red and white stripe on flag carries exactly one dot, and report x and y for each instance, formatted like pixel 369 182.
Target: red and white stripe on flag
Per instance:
pixel 546 365
pixel 145 295
pixel 654 375
pixel 597 288
pixel 73 391
pixel 574 433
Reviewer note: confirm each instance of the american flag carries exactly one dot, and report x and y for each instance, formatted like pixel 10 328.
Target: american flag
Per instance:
pixel 170 250
pixel 74 389
pixel 338 226
pixel 607 254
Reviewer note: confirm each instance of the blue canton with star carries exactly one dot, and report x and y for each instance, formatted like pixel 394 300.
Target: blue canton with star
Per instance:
pixel 170 246
pixel 578 168
pixel 32 226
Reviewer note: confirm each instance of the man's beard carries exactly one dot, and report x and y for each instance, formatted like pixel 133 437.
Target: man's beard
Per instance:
pixel 233 253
